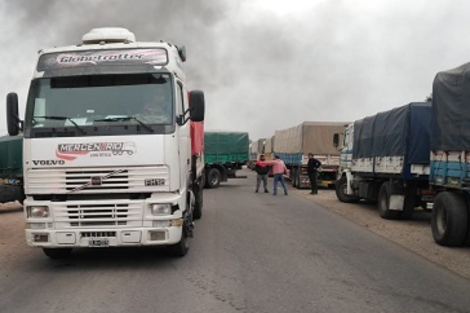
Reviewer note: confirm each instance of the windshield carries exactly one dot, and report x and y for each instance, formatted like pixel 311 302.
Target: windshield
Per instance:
pixel 90 104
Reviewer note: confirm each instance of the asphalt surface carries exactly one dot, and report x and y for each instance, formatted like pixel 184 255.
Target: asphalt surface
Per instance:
pixel 251 253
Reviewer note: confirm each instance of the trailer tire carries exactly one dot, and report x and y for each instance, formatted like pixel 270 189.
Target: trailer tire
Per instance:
pixel 57 254
pixel 340 187
pixel 213 178
pixel 384 202
pixel 449 220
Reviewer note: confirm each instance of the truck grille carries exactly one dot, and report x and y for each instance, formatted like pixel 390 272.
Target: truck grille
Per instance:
pixel 99 214
pixel 96 180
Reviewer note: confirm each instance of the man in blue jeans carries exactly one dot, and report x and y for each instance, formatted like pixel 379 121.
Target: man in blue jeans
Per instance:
pixel 279 168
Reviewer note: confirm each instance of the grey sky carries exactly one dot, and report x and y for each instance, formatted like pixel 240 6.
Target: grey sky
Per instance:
pixel 263 65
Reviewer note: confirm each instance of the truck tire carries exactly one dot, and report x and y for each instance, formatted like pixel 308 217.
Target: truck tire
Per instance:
pixel 449 221
pixel 384 202
pixel 57 254
pixel 198 194
pixel 213 178
pixel 181 248
pixel 340 187
pixel 203 181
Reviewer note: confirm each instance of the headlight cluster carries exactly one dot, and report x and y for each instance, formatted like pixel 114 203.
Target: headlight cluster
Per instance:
pixel 37 211
pixel 160 208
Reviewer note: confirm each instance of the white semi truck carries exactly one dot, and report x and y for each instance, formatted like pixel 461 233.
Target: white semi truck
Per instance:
pixel 102 168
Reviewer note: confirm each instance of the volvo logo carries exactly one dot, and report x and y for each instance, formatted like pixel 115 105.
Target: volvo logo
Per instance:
pixel 48 162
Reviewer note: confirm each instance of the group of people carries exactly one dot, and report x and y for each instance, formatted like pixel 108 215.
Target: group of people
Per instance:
pixel 263 167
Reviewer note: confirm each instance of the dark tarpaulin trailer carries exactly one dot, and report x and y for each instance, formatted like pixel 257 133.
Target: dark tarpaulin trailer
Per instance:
pixel 450 124
pixel 402 131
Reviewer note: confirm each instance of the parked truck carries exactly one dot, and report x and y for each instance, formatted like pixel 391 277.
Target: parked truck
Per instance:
pixel 294 144
pixel 256 149
pixel 11 169
pixel 225 152
pixel 450 156
pixel 269 148
pixel 385 160
pixel 101 168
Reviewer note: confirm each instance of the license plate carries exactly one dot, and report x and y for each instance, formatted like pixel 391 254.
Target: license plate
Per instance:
pixel 100 242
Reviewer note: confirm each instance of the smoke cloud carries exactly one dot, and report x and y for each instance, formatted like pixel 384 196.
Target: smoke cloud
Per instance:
pixel 263 65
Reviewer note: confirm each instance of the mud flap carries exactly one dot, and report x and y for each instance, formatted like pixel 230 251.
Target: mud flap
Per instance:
pixel 396 202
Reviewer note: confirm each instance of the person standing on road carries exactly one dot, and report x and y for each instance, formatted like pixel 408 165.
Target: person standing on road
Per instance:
pixel 279 169
pixel 312 170
pixel 262 170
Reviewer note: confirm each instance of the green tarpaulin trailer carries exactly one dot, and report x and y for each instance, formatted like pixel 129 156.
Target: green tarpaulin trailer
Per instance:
pixel 11 169
pixel 225 152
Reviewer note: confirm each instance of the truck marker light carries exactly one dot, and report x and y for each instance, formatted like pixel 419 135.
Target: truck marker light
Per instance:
pixel 157 235
pixel 178 222
pixel 40 237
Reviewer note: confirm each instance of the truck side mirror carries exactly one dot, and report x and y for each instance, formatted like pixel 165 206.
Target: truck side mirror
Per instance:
pixel 336 140
pixel 196 105
pixel 13 120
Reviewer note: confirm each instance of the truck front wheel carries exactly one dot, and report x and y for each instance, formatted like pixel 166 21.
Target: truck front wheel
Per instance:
pixel 341 187
pixel 56 254
pixel 213 178
pixel 181 248
pixel 449 220
pixel 384 202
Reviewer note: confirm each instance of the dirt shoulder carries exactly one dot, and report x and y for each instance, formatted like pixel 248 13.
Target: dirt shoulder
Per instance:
pixel 414 234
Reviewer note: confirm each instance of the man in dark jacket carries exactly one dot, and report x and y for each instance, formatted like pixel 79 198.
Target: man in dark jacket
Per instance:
pixel 262 169
pixel 312 171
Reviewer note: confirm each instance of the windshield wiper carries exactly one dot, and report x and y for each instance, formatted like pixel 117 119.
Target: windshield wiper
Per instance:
pixel 62 118
pixel 125 118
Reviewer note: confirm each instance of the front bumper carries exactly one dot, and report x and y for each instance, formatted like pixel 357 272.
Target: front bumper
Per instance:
pixel 91 238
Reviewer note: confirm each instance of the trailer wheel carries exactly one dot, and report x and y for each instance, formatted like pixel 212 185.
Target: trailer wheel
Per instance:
pixel 384 202
pixel 56 254
pixel 449 220
pixel 341 187
pixel 213 178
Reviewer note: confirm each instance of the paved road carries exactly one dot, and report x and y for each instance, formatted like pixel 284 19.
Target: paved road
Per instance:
pixel 251 253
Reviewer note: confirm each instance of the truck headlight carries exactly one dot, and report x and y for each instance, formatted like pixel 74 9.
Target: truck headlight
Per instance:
pixel 160 208
pixel 37 211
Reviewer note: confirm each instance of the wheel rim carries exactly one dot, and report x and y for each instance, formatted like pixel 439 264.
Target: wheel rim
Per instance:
pixel 441 221
pixel 344 189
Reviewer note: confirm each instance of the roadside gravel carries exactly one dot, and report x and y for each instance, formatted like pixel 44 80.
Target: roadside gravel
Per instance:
pixel 414 234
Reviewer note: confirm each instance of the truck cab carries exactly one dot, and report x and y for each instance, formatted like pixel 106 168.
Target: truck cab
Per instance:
pixel 102 165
